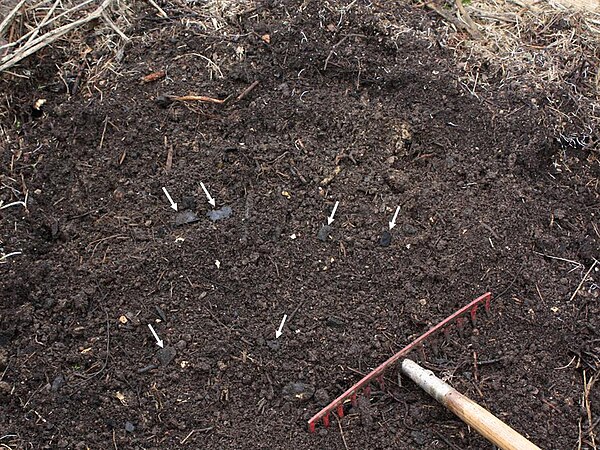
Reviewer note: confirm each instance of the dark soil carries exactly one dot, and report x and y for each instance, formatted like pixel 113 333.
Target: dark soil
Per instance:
pixel 485 190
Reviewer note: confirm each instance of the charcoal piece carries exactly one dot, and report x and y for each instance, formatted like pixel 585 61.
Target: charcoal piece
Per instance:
pixel 298 392
pixel 219 214
pixel 166 355
pixel 386 239
pixel 324 233
pixel 185 217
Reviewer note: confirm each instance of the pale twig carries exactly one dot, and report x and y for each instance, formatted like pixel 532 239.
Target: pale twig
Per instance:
pixel 587 388
pixel 342 433
pixel 161 12
pixel 8 205
pixel 115 27
pixel 43 22
pixel 464 15
pixel 578 264
pixel 210 62
pixel 583 280
pixel 8 255
pixel 9 17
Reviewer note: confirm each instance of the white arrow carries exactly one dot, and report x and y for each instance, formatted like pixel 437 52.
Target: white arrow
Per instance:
pixel 210 199
pixel 159 341
pixel 330 218
pixel 393 222
pixel 173 204
pixel 279 332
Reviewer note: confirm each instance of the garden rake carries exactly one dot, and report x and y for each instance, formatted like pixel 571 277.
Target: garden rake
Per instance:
pixel 474 415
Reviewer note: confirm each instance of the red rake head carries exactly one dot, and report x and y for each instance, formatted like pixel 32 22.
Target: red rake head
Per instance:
pixel 364 385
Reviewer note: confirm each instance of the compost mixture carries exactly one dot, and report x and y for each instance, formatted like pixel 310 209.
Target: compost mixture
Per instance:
pixel 361 105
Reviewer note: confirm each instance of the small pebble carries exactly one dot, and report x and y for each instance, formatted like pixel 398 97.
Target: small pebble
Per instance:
pixel 5 388
pixel 129 427
pixel 333 321
pixel 418 437
pixel 163 101
pixel 187 203
pixel 322 397
pixel 324 233
pixel 297 392
pixel 386 239
pixel 58 382
pixel 273 344
pixel 166 355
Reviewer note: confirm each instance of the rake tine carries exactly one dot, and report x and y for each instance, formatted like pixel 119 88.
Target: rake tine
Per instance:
pixel 446 332
pixel 474 315
pixel 340 410
pixel 421 351
pixel 367 392
pixel 363 386
pixel 435 347
pixel 460 326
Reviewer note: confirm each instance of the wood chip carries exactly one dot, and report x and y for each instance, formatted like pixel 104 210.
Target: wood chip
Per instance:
pixel 154 76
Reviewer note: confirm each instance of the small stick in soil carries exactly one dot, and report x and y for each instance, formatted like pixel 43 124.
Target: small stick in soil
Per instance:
pixel 472 27
pixel 461 24
pixel 147 368
pixel 165 100
pixel 161 12
pixel 247 91
pixel 583 280
pixel 103 133
pixel 342 433
pixel 293 314
pixel 154 76
pixel 187 437
pixel 587 388
pixel 169 162
pixel 8 255
pixel 448 443
pixel 575 263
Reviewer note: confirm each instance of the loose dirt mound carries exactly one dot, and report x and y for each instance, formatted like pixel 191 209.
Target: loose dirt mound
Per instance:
pixel 360 105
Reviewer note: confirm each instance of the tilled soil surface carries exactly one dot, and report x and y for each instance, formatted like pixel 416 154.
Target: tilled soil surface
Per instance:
pixel 360 106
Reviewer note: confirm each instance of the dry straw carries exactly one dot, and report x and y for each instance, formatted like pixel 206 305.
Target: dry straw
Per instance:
pixel 31 26
pixel 550 46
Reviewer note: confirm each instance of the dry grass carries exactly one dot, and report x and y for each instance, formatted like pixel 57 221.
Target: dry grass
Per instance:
pixel 29 27
pixel 546 46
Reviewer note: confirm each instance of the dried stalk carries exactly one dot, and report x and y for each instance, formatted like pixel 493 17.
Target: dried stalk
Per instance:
pixel 46 39
pixel 9 17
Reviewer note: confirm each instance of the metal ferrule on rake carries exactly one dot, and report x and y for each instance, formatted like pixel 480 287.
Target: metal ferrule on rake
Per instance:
pixel 364 385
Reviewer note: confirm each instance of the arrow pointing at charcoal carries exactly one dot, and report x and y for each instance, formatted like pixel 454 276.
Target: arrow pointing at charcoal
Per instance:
pixel 279 332
pixel 330 218
pixel 159 341
pixel 173 204
pixel 210 199
pixel 393 222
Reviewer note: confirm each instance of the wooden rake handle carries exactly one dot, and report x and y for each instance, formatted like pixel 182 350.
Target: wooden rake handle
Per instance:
pixel 488 425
